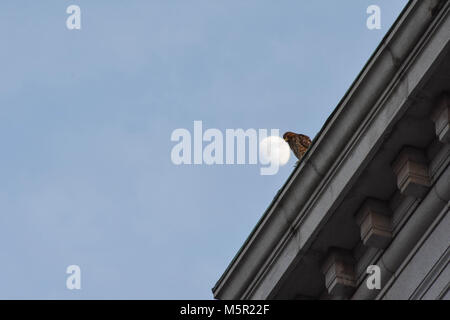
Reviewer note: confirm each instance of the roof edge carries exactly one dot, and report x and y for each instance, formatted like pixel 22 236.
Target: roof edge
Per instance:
pixel 402 24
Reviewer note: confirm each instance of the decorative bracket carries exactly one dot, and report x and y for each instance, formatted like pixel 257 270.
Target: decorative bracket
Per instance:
pixel 412 172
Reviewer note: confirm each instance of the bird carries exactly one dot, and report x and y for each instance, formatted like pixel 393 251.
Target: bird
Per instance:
pixel 298 143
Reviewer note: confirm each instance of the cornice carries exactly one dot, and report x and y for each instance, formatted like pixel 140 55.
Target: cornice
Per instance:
pixel 311 192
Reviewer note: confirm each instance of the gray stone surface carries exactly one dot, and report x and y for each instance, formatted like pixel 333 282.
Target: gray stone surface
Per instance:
pixel 422 274
pixel 340 279
pixel 441 118
pixel 387 108
pixel 411 170
pixel 375 223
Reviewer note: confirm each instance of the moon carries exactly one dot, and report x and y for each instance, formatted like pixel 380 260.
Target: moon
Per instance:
pixel 274 147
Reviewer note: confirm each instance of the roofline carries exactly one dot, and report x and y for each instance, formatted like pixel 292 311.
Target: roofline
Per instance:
pixel 401 22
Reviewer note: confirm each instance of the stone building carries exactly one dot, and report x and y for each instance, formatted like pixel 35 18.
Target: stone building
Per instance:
pixel 373 189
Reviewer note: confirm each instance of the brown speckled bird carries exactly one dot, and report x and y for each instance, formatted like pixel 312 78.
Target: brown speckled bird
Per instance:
pixel 299 143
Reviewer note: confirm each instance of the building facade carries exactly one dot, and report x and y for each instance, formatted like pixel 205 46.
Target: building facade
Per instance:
pixel 371 195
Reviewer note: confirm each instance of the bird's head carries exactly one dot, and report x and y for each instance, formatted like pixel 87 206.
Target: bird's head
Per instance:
pixel 288 136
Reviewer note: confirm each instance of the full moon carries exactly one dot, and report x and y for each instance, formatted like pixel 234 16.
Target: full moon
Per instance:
pixel 274 147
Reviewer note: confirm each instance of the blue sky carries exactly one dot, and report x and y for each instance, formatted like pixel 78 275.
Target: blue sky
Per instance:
pixel 86 117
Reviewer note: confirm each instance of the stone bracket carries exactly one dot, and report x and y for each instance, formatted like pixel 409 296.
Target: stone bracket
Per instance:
pixel 340 278
pixel 441 119
pixel 411 170
pixel 374 221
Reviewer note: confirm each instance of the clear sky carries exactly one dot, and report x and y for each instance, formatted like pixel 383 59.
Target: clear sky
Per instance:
pixel 86 117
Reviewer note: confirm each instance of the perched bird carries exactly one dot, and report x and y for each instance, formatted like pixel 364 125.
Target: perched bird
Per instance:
pixel 299 143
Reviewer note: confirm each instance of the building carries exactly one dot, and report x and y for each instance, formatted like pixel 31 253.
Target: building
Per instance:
pixel 373 189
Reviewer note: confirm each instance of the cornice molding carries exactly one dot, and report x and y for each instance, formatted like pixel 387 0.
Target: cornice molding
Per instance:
pixel 379 96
